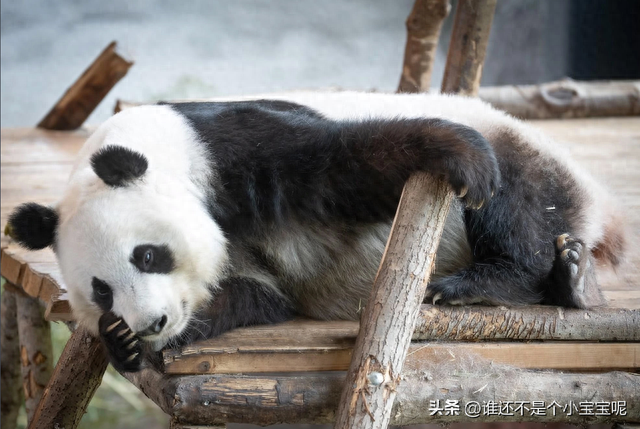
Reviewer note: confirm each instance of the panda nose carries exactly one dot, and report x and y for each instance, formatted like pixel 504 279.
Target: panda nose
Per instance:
pixel 155 327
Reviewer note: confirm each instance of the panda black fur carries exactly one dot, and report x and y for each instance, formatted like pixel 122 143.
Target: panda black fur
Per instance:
pixel 182 221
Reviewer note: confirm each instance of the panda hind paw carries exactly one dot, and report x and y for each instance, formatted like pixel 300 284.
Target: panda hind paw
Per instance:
pixel 123 345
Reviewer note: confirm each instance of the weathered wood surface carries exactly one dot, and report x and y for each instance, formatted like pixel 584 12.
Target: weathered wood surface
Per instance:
pixel 566 99
pixel 36 353
pixel 77 103
pixel 202 358
pixel 11 394
pixel 271 399
pixel 75 380
pixel 469 39
pixel 471 323
pixel 390 312
pixel 477 323
pixel 423 30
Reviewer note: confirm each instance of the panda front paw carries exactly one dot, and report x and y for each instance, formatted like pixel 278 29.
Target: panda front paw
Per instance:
pixel 473 170
pixel 123 345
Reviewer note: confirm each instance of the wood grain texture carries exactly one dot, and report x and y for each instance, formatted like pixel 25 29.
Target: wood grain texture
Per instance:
pixel 423 30
pixel 77 103
pixel 36 353
pixel 271 399
pixel 77 376
pixel 566 99
pixel 390 314
pixel 472 323
pixel 469 39
pixel 11 395
pixel 285 358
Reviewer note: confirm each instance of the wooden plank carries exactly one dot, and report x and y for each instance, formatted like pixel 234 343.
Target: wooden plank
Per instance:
pixel 302 358
pixel 470 323
pixel 87 91
pixel 58 308
pixel 11 268
pixel 34 145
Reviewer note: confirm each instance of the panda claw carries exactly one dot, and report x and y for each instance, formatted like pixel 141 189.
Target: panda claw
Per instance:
pixel 125 349
pixel 123 332
pixel 437 297
pixel 561 240
pixel 463 192
pixel 113 326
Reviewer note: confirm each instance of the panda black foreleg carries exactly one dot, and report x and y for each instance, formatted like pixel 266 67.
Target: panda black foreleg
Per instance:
pixel 495 282
pixel 239 301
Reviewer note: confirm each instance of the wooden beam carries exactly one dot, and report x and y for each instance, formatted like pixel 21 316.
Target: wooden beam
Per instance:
pixel 285 358
pixel 87 92
pixel 390 313
pixel 566 99
pixel 58 308
pixel 271 399
pixel 36 353
pixel 423 30
pixel 11 395
pixel 77 376
pixel 479 323
pixel 468 46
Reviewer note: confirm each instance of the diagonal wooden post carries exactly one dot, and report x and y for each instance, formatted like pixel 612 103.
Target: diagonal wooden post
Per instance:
pixel 76 377
pixel 75 106
pixel 423 30
pixel 390 314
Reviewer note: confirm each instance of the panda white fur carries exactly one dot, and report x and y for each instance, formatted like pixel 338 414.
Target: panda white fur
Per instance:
pixel 182 221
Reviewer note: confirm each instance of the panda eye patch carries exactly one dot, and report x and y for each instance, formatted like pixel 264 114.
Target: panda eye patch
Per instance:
pixel 153 259
pixel 102 294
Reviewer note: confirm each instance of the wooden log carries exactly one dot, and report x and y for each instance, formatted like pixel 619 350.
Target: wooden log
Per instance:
pixel 477 323
pixel 566 99
pixel 267 400
pixel 11 390
pixel 87 92
pixel 468 46
pixel 77 376
pixel 288 358
pixel 36 354
pixel 390 314
pixel 423 30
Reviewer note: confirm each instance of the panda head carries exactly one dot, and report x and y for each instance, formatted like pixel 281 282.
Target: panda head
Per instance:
pixel 132 234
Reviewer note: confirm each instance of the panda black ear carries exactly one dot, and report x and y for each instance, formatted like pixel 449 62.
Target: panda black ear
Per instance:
pixel 117 165
pixel 33 226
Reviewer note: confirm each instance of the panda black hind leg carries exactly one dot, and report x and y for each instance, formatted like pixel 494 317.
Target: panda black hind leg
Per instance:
pixel 517 256
pixel 572 280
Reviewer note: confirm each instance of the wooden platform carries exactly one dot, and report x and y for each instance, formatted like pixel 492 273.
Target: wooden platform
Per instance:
pixel 36 163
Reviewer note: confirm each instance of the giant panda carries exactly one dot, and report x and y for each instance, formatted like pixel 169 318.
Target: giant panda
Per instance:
pixel 182 221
